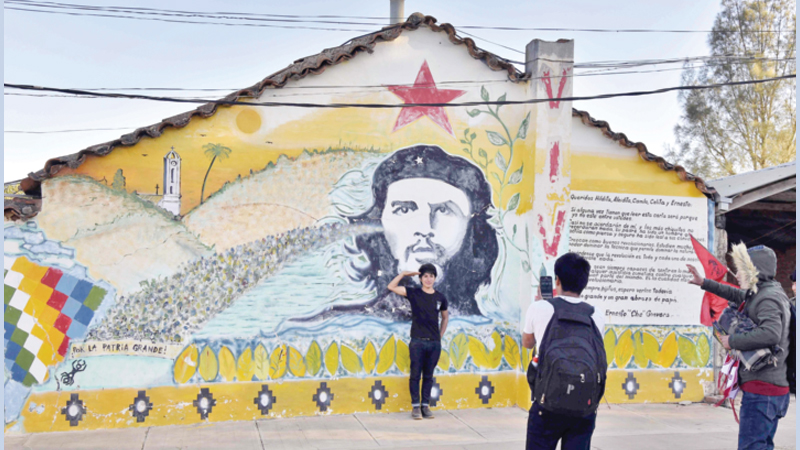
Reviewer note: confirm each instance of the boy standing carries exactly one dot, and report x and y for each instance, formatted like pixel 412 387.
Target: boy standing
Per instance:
pixel 426 334
pixel 567 414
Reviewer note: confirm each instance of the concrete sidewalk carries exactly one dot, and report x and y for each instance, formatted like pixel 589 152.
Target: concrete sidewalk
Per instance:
pixel 619 427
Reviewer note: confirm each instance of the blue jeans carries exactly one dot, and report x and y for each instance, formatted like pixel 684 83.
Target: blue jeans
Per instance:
pixel 546 428
pixel 424 357
pixel 758 420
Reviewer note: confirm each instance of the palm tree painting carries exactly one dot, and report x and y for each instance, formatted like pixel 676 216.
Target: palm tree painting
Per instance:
pixel 213 151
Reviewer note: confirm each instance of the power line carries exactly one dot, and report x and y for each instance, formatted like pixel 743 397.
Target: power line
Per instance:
pixel 730 59
pixel 66 131
pixel 296 16
pixel 771 232
pixel 395 105
pixel 148 12
pixel 290 94
pixel 608 30
pixel 497 44
pixel 137 13
pixel 285 94
pixel 257 25
pixel 42 132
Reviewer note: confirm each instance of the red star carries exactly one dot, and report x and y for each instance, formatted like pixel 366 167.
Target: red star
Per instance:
pixel 424 91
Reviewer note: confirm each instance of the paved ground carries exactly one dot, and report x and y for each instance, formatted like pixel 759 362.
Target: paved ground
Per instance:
pixel 619 427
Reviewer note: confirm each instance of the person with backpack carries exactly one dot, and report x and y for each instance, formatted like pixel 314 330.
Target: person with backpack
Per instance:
pixel 568 373
pixel 765 392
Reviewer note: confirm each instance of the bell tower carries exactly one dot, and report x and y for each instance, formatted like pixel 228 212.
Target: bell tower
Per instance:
pixel 171 201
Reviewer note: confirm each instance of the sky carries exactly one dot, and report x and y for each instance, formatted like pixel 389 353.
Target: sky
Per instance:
pixel 93 52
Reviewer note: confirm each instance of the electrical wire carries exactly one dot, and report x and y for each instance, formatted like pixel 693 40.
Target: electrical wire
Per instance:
pixel 66 131
pixel 604 72
pixel 746 59
pixel 396 105
pixel 256 25
pixel 497 44
pixel 174 13
pixel 153 13
pixel 329 93
pixel 793 222
pixel 296 16
pixel 250 16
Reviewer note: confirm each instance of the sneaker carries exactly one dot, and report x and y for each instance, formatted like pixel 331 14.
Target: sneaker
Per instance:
pixel 426 413
pixel 416 414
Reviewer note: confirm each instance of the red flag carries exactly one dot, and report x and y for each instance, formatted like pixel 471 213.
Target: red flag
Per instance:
pixel 714 270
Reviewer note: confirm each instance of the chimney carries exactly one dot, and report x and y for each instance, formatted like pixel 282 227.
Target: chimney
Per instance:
pixel 549 65
pixel 541 55
pixel 396 14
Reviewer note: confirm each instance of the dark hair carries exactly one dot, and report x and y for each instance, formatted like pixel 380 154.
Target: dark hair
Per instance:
pixel 427 268
pixel 573 272
pixel 467 270
pixel 793 277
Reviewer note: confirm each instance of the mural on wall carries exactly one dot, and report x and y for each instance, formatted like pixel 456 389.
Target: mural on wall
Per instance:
pixel 431 208
pixel 242 251
pixel 50 302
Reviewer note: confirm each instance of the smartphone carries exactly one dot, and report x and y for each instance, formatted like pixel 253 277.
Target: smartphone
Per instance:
pixel 545 284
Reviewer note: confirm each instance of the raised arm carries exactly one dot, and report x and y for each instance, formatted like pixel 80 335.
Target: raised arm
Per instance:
pixel 394 284
pixel 729 293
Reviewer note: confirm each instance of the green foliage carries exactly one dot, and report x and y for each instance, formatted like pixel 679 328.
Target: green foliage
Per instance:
pixel 732 129
pixel 504 140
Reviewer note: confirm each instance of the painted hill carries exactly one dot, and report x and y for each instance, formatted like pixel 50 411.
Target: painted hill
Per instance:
pixel 293 193
pixel 119 237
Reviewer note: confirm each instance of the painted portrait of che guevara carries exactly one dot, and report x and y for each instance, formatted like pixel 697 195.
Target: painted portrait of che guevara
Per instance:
pixel 430 207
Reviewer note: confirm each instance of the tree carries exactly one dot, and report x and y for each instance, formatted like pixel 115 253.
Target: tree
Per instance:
pixel 119 181
pixel 213 151
pixel 731 129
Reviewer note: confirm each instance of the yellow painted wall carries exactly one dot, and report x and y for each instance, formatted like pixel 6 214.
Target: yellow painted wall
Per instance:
pixel 235 401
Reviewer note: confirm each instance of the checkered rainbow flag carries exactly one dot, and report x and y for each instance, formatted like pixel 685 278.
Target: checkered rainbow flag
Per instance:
pixel 44 310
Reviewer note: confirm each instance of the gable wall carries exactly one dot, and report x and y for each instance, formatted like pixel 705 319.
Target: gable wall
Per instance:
pixel 241 295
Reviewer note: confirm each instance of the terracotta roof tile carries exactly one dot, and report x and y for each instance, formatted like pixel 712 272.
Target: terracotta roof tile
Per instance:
pixel 642 149
pixel 21 208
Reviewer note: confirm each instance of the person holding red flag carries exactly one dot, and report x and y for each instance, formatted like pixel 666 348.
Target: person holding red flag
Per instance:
pixel 765 397
pixel 712 305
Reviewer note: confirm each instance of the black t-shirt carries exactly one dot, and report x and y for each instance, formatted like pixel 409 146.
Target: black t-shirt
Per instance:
pixel 425 313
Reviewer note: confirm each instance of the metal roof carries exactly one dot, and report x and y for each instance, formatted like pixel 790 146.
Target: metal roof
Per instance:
pixel 735 185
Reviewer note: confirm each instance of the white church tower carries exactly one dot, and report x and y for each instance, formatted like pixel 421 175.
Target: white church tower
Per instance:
pixel 171 201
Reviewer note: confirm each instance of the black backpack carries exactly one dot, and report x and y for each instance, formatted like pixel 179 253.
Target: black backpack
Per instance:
pixel 791 369
pixel 571 375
